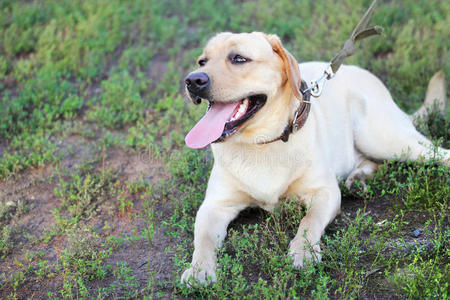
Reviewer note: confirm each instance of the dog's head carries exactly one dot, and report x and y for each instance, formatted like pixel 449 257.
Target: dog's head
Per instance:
pixel 251 83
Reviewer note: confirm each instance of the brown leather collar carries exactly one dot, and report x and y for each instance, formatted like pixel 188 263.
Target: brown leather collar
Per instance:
pixel 300 116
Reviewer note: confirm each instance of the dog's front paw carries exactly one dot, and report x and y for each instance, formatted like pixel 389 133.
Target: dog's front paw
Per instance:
pixel 195 275
pixel 302 252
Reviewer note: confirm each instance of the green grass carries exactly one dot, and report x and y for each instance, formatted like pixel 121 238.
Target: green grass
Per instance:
pixel 98 193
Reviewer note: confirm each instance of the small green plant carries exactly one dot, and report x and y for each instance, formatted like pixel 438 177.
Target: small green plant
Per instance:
pixel 124 286
pixel 125 202
pixel 82 193
pixel 85 254
pixel 6 243
pixel 424 272
pixel 120 91
pixel 149 214
pixel 9 209
pixel 413 185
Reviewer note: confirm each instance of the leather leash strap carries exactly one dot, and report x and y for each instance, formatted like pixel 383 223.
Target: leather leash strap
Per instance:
pixel 360 32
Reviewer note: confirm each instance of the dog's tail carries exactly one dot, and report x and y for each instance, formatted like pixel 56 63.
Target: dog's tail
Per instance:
pixel 434 99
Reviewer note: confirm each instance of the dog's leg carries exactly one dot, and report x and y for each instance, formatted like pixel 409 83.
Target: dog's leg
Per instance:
pixel 365 170
pixel 401 142
pixel 211 225
pixel 382 131
pixel 221 205
pixel 323 204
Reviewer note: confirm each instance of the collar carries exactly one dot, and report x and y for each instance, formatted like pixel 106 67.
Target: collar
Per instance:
pixel 300 116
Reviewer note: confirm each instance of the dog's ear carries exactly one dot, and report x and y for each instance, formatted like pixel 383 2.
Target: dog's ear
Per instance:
pixel 289 63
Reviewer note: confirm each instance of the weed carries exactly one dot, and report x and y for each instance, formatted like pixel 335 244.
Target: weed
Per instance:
pixel 119 91
pixel 82 193
pixel 10 209
pixel 413 185
pixel 126 284
pixel 6 243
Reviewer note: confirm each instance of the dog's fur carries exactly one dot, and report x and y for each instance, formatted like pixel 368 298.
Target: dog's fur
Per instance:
pixel 351 126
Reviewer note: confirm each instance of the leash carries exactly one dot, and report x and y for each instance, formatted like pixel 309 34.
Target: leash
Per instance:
pixel 360 32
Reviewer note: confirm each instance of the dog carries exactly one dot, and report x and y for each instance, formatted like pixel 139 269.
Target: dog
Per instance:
pixel 252 85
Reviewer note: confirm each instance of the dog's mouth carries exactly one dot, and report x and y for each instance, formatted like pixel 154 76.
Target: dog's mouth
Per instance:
pixel 245 111
pixel 223 120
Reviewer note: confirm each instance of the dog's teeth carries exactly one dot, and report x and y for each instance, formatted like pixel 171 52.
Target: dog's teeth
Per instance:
pixel 243 106
pixel 241 110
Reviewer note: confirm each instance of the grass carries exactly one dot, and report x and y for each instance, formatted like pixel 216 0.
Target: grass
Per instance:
pixel 98 193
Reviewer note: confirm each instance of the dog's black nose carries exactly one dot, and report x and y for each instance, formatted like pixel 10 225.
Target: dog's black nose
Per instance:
pixel 198 84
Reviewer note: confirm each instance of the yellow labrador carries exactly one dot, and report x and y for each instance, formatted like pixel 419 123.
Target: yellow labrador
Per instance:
pixel 252 83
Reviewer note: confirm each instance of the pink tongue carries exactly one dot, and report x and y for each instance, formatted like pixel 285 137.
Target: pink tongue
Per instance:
pixel 211 126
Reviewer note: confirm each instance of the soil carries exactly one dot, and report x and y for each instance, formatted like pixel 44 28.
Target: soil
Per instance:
pixel 36 188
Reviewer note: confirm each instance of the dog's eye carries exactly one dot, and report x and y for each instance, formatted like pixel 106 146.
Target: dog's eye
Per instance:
pixel 237 59
pixel 202 62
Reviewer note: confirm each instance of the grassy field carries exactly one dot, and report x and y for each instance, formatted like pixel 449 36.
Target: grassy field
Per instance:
pixel 98 192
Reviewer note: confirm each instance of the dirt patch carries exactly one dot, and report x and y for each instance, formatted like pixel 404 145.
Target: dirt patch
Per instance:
pixel 36 188
pixel 134 165
pixel 148 262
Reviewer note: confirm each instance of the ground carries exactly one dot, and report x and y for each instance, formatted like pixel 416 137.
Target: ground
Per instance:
pixel 98 192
